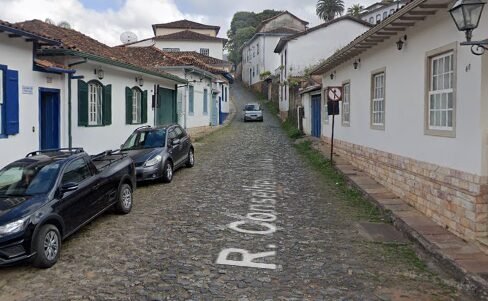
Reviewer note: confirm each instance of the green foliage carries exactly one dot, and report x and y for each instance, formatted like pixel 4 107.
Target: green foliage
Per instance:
pixel 264 74
pixel 355 10
pixel 242 28
pixel 327 10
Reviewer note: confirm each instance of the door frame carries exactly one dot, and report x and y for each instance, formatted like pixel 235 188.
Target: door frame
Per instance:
pixel 317 119
pixel 39 113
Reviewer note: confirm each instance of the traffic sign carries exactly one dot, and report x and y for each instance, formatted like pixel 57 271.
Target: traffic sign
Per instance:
pixel 334 93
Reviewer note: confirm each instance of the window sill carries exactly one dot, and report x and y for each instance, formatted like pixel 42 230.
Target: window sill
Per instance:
pixel 346 124
pixel 191 114
pixel 93 126
pixel 441 133
pixel 378 127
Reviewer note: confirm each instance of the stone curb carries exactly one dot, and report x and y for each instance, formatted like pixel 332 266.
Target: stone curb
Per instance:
pixel 399 212
pixel 232 114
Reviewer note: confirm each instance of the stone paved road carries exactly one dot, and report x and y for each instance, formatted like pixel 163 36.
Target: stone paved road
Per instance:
pixel 167 248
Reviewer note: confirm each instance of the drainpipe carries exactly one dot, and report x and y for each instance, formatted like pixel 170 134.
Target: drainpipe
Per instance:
pixel 71 77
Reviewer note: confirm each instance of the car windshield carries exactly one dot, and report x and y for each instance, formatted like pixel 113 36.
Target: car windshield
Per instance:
pixel 252 108
pixel 23 179
pixel 145 139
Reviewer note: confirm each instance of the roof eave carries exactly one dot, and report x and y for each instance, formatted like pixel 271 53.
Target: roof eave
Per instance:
pixel 112 62
pixel 28 35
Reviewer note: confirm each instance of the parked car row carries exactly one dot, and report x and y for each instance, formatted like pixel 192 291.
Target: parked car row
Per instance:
pixel 50 194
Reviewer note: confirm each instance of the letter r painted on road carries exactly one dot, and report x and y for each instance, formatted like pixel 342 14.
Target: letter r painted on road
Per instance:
pixel 247 259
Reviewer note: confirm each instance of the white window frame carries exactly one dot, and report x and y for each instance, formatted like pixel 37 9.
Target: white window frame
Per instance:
pixel 136 106
pixel 440 95
pixel 95 104
pixel 346 103
pixel 205 51
pixel 378 99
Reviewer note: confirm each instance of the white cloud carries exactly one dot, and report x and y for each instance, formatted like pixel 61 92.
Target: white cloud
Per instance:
pixel 106 26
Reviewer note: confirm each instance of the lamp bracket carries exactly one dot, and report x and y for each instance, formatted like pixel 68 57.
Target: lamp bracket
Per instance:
pixel 477 47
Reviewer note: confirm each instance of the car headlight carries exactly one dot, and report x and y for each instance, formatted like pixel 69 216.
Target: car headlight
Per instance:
pixel 13 227
pixel 153 161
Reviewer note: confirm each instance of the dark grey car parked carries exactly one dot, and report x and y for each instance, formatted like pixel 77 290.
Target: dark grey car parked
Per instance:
pixel 159 151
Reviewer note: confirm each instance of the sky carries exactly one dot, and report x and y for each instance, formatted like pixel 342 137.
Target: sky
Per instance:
pixel 106 20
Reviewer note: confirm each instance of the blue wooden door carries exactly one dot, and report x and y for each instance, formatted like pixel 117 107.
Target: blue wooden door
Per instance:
pixel 316 116
pixel 49 119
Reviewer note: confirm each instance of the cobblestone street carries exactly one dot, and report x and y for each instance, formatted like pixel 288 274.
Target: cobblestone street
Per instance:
pixel 168 247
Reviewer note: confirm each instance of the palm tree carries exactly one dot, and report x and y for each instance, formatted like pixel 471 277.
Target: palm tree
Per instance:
pixel 327 10
pixel 355 10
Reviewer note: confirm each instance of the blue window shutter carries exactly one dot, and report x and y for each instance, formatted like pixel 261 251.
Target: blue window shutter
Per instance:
pixel 12 103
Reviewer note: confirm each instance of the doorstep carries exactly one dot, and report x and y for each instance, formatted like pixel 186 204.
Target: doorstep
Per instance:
pixel 465 261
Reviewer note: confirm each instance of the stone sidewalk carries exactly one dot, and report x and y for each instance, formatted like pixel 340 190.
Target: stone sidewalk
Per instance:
pixel 463 260
pixel 199 133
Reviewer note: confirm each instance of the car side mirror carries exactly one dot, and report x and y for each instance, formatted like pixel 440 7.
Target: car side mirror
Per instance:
pixel 175 142
pixel 70 186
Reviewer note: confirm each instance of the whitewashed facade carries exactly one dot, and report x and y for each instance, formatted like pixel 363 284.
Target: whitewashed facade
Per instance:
pixel 380 11
pixel 258 53
pixel 304 50
pixel 416 118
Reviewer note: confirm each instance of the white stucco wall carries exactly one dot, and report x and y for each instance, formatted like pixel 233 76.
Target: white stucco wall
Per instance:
pixel 387 9
pixel 17 55
pixel 100 138
pixel 266 60
pixel 308 50
pixel 405 97
pixel 216 49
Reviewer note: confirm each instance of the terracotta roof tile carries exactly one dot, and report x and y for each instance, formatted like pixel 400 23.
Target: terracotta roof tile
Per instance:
pixel 283 30
pixel 76 41
pixel 186 24
pixel 206 59
pixel 10 27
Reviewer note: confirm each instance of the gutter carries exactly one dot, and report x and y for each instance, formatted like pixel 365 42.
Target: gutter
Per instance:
pixel 101 59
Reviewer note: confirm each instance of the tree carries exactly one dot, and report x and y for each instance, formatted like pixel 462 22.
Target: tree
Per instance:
pixel 49 21
pixel 64 24
pixel 327 10
pixel 242 28
pixel 355 10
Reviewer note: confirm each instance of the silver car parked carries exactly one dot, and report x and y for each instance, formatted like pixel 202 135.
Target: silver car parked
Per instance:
pixel 253 112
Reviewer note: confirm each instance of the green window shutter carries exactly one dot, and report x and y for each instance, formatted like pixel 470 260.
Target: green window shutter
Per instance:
pixel 82 103
pixel 107 105
pixel 144 107
pixel 191 99
pixel 128 105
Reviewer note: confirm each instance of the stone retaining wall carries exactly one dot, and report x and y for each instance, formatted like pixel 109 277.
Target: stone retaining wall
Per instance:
pixel 453 199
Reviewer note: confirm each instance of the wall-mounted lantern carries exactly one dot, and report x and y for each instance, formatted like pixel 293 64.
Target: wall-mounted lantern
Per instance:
pixel 99 73
pixel 140 81
pixel 401 42
pixel 467 14
pixel 332 75
pixel 356 64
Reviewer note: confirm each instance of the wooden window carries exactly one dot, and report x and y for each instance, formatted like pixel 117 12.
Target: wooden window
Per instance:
pixel 346 104
pixel 2 101
pixel 385 15
pixel 378 18
pixel 378 101
pixel 371 20
pixel 205 102
pixel 205 51
pixel 95 104
pixel 441 94
pixel 136 106
pixel 191 100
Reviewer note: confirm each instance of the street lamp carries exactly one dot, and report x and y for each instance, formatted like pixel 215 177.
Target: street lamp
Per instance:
pixel 467 14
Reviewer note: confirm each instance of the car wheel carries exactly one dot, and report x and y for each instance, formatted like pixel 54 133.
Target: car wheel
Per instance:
pixel 124 201
pixel 47 245
pixel 167 172
pixel 190 162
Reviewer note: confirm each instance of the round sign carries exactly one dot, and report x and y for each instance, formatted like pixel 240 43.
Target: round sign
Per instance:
pixel 335 93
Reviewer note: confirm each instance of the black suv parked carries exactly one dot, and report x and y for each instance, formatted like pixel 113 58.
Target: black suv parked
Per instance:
pixel 48 195
pixel 158 152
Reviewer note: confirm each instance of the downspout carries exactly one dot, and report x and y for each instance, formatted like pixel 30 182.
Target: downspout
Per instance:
pixel 71 77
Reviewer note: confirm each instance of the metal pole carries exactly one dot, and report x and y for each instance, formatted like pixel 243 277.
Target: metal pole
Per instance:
pixel 332 137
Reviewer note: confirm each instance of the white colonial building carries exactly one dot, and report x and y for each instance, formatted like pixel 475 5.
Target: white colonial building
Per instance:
pixel 73 88
pixel 380 11
pixel 258 53
pixel 300 52
pixel 414 113
pixel 185 35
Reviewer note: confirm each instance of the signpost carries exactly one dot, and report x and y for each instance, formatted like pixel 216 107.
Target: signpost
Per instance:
pixel 334 95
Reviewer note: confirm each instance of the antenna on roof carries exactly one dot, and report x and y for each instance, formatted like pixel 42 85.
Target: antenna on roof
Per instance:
pixel 128 37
